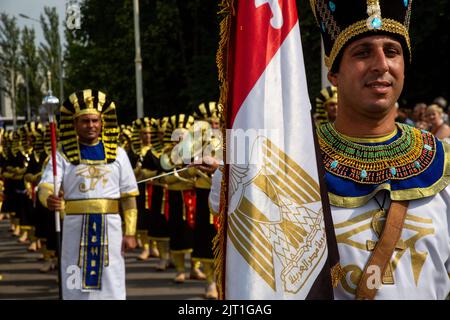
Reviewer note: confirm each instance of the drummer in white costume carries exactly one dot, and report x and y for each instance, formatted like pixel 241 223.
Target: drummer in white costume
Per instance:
pixel 97 182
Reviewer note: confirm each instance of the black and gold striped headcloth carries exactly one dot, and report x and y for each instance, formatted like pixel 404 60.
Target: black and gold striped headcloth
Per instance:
pixel 139 125
pixel 2 138
pixel 208 110
pixel 7 141
pixel 38 146
pixel 126 131
pixel 33 129
pixel 326 95
pixel 163 124
pixel 88 102
pixel 15 141
pixel 125 135
pixel 179 121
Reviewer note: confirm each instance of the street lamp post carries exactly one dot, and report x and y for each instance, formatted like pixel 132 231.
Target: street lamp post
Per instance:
pixel 13 98
pixel 28 94
pixel 138 61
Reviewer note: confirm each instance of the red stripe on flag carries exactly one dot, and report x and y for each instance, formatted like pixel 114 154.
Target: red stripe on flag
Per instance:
pixel 256 42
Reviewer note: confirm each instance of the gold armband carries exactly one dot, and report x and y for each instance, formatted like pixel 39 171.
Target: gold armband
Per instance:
pixel 130 213
pixel 45 190
pixel 28 178
pixel 37 178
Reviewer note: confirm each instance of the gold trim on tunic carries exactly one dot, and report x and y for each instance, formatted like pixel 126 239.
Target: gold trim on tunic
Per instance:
pixel 399 195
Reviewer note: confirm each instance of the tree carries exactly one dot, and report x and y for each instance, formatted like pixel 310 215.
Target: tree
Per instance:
pixel 9 57
pixel 50 51
pixel 179 40
pixel 430 63
pixel 29 67
pixel 178 44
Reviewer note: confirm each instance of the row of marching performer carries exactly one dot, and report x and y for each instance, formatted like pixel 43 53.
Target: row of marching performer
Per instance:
pixel 174 219
pixel 23 154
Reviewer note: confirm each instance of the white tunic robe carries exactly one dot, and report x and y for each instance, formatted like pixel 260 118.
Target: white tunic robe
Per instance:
pixel 102 181
pixel 421 270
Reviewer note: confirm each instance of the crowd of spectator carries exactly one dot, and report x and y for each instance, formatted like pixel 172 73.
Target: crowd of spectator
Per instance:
pixel 433 117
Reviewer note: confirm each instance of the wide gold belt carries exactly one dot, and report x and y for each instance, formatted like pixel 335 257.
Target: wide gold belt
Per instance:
pixel 91 206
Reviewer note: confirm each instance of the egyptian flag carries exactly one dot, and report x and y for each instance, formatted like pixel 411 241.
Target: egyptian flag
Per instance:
pixel 273 242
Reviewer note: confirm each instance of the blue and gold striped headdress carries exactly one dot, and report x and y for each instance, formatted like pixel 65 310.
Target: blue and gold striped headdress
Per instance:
pixel 342 21
pixel 88 102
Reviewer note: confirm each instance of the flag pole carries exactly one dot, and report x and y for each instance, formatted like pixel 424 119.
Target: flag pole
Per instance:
pixel 51 102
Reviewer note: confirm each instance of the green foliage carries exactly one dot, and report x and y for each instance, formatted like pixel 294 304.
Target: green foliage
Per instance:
pixel 9 53
pixel 311 47
pixel 179 40
pixel 29 67
pixel 430 62
pixel 178 44
pixel 49 52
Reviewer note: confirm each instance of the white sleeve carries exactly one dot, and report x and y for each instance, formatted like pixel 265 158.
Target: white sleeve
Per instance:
pixel 214 195
pixel 128 185
pixel 47 175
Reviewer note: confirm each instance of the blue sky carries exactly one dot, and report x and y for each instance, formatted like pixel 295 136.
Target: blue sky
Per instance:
pixel 33 9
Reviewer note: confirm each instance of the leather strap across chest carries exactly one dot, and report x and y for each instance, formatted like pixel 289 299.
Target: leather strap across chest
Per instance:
pixel 383 251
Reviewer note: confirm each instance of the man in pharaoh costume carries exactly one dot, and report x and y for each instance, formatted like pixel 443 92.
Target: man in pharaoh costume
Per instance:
pixel 180 196
pixel 205 222
pixel 8 191
pixel 126 132
pixel 141 144
pixel 45 226
pixel 33 138
pixel 157 205
pixel 96 183
pixel 16 193
pixel 326 106
pixel 387 182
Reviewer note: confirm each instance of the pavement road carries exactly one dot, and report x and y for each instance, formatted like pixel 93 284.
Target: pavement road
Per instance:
pixel 21 278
